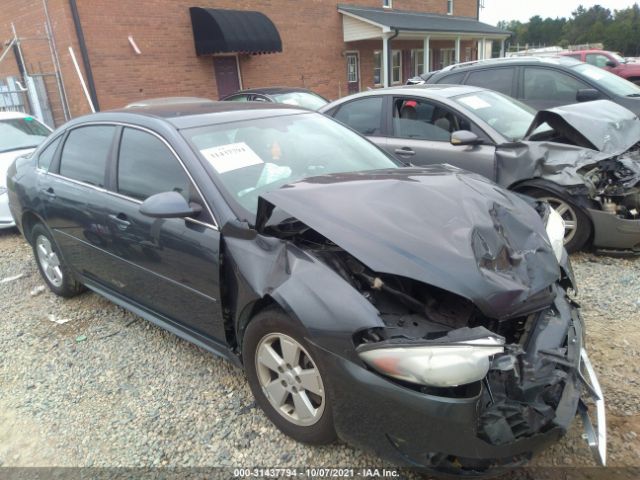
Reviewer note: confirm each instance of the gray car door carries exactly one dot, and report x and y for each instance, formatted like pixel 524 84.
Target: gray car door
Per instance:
pixel 419 132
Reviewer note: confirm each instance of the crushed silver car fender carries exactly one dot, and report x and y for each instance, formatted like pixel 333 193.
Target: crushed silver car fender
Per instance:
pixel 592 158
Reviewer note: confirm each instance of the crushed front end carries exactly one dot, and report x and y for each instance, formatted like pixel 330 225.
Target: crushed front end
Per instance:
pixel 464 348
pixel 533 388
pixel 613 186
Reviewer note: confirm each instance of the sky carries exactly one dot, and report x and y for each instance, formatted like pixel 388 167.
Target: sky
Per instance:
pixel 496 10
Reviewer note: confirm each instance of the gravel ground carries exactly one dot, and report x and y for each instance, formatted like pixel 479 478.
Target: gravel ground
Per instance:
pixel 108 389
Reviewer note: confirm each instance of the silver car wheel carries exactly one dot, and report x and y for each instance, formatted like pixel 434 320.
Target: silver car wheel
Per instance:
pixel 290 379
pixel 567 213
pixel 49 261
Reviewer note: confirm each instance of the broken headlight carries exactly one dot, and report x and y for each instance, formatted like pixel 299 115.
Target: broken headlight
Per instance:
pixel 442 365
pixel 555 231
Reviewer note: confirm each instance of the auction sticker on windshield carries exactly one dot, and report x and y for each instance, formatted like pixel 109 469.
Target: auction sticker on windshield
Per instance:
pixel 226 158
pixel 474 102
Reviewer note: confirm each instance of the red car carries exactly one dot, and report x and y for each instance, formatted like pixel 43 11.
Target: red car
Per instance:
pixel 609 61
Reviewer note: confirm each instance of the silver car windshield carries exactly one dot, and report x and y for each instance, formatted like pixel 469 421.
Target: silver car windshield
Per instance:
pixel 507 116
pixel 21 133
pixel 253 157
pixel 608 81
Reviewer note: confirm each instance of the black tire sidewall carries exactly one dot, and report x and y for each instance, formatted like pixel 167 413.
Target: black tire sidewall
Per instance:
pixel 274 320
pixel 70 287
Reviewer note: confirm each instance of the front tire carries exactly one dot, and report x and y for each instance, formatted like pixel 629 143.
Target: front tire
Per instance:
pixel 577 224
pixel 287 378
pixel 55 272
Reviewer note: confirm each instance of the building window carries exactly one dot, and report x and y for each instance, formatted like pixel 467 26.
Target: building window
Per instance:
pixel 417 62
pixel 449 7
pixel 377 67
pixel 387 3
pixel 396 66
pixel 447 57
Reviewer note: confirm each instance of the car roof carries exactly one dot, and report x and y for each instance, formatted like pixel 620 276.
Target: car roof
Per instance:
pixel 557 60
pixel 428 90
pixel 273 90
pixel 11 115
pixel 194 114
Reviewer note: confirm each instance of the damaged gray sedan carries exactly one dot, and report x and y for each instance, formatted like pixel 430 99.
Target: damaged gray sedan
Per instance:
pixel 583 159
pixel 361 300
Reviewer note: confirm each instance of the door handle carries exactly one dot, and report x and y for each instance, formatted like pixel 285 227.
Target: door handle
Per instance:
pixel 405 152
pixel 49 192
pixel 120 219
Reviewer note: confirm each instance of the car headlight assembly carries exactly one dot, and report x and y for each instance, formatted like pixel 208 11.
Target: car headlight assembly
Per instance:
pixel 555 231
pixel 443 365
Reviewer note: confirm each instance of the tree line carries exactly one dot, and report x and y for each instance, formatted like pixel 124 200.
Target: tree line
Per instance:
pixel 619 30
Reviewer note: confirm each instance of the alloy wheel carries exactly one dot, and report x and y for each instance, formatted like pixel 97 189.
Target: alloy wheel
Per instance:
pixel 49 261
pixel 290 379
pixel 567 213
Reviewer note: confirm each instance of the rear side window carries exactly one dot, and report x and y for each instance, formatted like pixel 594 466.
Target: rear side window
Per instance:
pixel 498 79
pixel 364 115
pixel 454 78
pixel 146 167
pixel 85 153
pixel 45 158
pixel 547 84
pixel 598 59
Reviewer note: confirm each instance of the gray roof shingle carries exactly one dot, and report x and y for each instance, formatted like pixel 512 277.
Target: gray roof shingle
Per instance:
pixel 419 21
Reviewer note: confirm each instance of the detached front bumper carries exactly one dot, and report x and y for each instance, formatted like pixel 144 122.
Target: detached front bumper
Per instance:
pixel 501 424
pixel 612 233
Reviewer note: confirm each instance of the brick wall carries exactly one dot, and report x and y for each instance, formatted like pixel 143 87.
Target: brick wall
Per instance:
pixel 311 32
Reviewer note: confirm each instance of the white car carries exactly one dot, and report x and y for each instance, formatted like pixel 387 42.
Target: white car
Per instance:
pixel 19 134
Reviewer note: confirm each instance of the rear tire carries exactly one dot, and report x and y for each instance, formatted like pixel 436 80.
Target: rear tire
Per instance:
pixel 578 225
pixel 55 272
pixel 287 378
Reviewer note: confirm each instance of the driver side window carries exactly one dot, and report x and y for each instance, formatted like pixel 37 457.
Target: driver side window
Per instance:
pixel 423 120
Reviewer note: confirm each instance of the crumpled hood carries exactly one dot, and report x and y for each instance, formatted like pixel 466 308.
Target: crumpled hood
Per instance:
pixel 438 225
pixel 600 125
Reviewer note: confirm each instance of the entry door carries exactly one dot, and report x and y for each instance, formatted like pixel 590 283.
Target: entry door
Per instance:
pixel 227 76
pixel 353 72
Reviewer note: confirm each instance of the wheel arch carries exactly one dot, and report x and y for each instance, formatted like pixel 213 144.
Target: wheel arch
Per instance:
pixel 29 220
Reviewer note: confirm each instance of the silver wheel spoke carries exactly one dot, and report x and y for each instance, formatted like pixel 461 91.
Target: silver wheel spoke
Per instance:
pixel 303 407
pixel 43 250
pixel 290 352
pixel 562 209
pixel 310 380
pixel 276 392
pixel 270 358
pixel 570 225
pixel 57 273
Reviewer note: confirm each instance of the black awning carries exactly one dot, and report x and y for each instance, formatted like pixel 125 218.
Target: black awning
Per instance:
pixel 233 31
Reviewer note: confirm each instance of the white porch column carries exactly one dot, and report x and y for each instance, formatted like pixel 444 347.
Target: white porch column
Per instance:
pixel 502 53
pixel 484 48
pixel 458 50
pixel 426 58
pixel 385 61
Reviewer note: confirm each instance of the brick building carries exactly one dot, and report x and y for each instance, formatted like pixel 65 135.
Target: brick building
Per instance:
pixel 127 50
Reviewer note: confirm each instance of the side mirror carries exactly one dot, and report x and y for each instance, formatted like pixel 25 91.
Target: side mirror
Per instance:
pixel 168 205
pixel 587 95
pixel 611 64
pixel 464 137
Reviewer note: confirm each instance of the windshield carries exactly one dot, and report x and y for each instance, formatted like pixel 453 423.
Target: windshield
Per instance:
pixel 20 133
pixel 302 99
pixel 618 58
pixel 253 157
pixel 508 117
pixel 608 81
